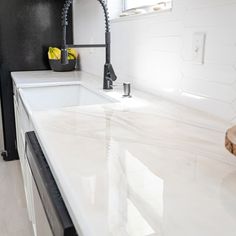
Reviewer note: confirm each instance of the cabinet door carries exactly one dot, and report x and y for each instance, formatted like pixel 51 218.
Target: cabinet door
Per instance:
pixel 21 120
pixel 25 124
pixel 42 225
pixel 29 193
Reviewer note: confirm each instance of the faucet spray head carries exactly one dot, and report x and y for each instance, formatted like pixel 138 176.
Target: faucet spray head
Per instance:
pixel 64 51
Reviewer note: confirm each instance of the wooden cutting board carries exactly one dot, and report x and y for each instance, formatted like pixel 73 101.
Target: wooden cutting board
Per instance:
pixel 230 140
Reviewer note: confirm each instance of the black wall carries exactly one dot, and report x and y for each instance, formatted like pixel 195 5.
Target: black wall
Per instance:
pixel 27 29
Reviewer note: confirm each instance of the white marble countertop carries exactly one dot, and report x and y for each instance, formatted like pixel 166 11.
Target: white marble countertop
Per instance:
pixel 139 167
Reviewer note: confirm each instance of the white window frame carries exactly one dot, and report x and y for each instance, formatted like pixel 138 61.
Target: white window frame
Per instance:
pixel 160 6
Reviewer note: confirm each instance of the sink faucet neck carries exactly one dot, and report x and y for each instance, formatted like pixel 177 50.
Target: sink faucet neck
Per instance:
pixel 109 74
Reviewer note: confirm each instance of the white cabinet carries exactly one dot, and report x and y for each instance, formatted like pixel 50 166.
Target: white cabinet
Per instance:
pixel 29 182
pixel 23 125
pixel 34 206
pixel 44 201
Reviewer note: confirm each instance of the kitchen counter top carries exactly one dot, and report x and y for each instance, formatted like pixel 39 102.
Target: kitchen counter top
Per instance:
pixel 139 167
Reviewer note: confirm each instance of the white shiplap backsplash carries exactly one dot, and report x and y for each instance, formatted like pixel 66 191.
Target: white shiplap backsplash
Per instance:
pixel 154 52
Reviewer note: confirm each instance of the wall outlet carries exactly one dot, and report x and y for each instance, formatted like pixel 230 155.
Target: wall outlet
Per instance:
pixel 198 51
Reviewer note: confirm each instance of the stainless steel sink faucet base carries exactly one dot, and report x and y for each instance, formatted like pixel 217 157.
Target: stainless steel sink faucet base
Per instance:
pixel 127 90
pixel 109 74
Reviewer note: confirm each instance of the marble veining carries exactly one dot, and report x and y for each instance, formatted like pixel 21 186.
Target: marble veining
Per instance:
pixel 141 167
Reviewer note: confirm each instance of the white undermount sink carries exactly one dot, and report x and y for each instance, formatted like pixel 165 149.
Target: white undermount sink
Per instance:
pixel 52 97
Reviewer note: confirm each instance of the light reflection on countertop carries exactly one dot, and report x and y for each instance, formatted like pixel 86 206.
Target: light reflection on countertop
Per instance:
pixel 141 167
pixel 135 195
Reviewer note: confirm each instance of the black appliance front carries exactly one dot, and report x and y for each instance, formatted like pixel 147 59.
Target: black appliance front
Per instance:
pixel 27 29
pixel 53 204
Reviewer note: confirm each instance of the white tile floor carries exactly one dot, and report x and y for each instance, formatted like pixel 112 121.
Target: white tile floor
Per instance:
pixel 13 212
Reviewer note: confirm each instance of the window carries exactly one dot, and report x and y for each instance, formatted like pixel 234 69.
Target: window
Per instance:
pixel 129 4
pixel 132 7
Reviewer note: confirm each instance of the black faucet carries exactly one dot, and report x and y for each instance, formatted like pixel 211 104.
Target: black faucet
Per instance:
pixel 109 74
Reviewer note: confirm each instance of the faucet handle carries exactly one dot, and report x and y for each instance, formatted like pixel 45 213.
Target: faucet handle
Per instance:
pixel 109 76
pixel 111 72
